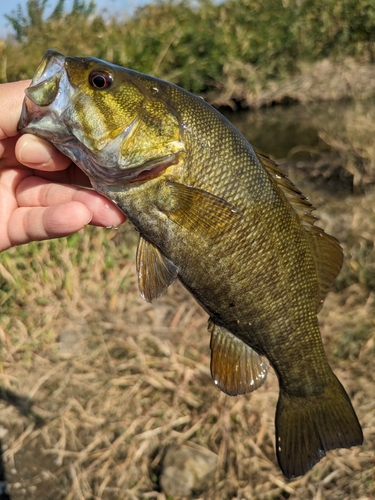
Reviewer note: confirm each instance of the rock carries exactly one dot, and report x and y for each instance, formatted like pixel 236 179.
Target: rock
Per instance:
pixel 187 468
pixel 71 340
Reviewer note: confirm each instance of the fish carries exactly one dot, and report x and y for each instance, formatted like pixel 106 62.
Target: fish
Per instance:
pixel 222 218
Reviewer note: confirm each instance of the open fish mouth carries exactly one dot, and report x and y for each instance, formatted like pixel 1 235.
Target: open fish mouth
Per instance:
pixel 46 100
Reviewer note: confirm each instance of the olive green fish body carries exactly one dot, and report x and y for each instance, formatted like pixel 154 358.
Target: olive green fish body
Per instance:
pixel 232 272
pixel 222 218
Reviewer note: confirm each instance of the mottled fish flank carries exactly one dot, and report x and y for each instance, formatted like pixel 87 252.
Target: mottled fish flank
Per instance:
pixel 223 219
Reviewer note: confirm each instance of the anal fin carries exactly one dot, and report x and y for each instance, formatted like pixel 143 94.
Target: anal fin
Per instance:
pixel 235 367
pixel 155 271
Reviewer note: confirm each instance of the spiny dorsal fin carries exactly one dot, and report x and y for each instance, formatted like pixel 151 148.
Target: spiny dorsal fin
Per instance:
pixel 298 201
pixel 235 367
pixel 155 271
pixel 327 251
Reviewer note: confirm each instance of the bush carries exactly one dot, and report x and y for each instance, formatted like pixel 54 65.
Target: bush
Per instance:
pixel 196 44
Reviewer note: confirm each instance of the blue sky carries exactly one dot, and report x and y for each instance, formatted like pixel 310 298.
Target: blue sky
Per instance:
pixel 110 6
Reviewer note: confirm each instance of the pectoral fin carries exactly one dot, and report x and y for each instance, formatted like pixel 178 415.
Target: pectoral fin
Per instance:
pixel 235 367
pixel 155 271
pixel 196 209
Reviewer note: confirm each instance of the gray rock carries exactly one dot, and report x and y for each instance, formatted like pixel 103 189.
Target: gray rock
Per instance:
pixel 187 468
pixel 71 340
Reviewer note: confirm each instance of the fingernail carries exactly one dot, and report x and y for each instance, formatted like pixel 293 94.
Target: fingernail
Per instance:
pixel 90 219
pixel 33 152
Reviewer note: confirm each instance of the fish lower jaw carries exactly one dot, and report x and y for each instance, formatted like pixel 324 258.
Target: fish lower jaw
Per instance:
pixel 102 178
pixel 124 176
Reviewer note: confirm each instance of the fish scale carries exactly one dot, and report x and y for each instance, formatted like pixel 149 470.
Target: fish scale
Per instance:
pixel 223 219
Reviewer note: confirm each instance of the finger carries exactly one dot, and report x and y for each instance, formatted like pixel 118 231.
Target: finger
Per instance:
pixel 35 224
pixel 50 163
pixel 9 180
pixel 71 175
pixel 11 98
pixel 38 153
pixel 34 191
pixel 7 155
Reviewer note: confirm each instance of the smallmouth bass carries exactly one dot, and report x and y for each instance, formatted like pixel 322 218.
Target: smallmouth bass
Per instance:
pixel 221 217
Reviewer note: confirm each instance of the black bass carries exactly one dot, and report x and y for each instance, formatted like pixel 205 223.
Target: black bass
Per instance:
pixel 223 219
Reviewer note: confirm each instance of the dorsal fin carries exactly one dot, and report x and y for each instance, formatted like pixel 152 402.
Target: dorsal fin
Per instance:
pixel 328 260
pixel 298 201
pixel 327 251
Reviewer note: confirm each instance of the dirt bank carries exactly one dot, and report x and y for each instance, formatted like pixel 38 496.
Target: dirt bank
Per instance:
pixel 326 80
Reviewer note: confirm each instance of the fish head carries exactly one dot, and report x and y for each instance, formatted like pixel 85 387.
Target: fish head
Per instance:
pixel 111 121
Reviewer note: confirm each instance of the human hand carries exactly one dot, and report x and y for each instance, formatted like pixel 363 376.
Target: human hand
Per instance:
pixel 39 194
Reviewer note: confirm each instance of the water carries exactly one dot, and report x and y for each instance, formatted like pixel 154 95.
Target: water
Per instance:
pixel 278 130
pixel 324 146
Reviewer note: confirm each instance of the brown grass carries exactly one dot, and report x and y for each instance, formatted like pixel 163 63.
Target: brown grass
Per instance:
pixel 128 379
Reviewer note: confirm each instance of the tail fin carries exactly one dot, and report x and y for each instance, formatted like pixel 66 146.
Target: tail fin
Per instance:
pixel 307 427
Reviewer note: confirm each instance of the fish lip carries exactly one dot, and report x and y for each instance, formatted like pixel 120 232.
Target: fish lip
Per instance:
pixel 52 63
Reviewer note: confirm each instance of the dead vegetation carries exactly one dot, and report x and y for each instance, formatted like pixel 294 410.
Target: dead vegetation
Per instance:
pixel 97 384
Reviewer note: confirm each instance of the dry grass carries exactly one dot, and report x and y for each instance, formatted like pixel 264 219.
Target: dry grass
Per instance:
pixel 109 382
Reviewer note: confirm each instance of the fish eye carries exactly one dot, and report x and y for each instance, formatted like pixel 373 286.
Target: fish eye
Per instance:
pixel 100 80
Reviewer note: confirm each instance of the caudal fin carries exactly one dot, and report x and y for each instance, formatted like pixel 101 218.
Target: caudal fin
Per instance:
pixel 307 427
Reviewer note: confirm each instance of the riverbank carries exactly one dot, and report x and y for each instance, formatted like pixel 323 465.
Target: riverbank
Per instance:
pixel 321 81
